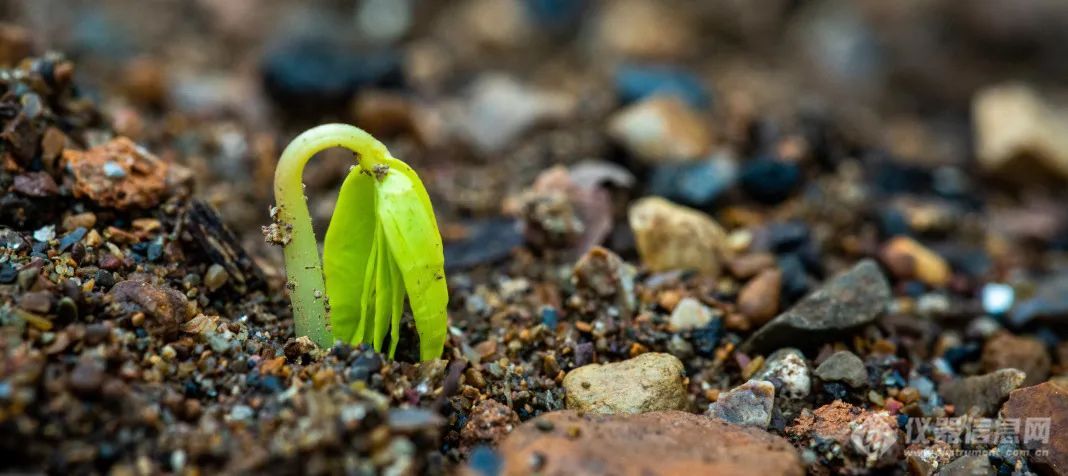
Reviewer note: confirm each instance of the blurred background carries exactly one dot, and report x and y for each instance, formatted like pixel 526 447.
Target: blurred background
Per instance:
pixel 956 99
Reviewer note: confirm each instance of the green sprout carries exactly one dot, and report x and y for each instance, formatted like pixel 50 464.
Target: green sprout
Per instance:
pixel 382 244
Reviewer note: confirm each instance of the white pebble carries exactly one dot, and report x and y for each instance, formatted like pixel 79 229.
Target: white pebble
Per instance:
pixel 998 298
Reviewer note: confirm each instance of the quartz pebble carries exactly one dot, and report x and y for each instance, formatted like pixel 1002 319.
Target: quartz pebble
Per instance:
pixel 649 382
pixel 789 368
pixel 671 237
pixel 690 314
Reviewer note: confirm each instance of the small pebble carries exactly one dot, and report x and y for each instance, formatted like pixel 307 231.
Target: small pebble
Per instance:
pixel 997 298
pixel 843 366
pixel 215 277
pixel 690 314
pixel 45 233
pixel 748 404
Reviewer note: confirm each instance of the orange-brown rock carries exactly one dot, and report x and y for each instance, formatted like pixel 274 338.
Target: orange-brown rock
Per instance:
pixel 906 258
pixel 759 299
pixel 657 443
pixel 1043 401
pixel 1023 353
pixel 490 422
pixel 118 174
pixel 748 265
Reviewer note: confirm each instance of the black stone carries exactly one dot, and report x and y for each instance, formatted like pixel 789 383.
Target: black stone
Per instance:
pixel 784 237
pixel 705 339
pixel 769 181
pixel 104 279
pixel 794 278
pixel 892 222
pixel 488 241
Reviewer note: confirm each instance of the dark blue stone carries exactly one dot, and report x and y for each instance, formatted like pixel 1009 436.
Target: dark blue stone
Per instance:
pixel 893 178
pixel 770 181
pixel 71 238
pixel 271 384
pixel 902 421
pixel 635 82
pixel 365 366
pixel 784 237
pixel 696 184
pixel 836 390
pixel 313 73
pixel 914 289
pixel 485 461
pixel 8 273
pixel 191 389
pixel 972 261
pixel 549 317
pixel 894 379
pixel 154 251
pixel 556 15
pixel 40 250
pixel 892 222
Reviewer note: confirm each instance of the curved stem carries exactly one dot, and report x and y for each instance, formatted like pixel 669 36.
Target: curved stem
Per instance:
pixel 304 267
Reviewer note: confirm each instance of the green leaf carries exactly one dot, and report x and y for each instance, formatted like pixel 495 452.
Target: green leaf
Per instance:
pixel 383 243
pixel 398 307
pixel 406 217
pixel 346 253
pixel 383 292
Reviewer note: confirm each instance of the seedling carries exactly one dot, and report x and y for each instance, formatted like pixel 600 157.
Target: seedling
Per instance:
pixel 381 245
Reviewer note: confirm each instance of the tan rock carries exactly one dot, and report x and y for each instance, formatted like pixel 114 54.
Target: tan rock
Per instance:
pixel 662 128
pixel 759 299
pixel 649 382
pixel 906 258
pixel 644 29
pixel 1016 131
pixel 1043 402
pixel 657 443
pixel 671 236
